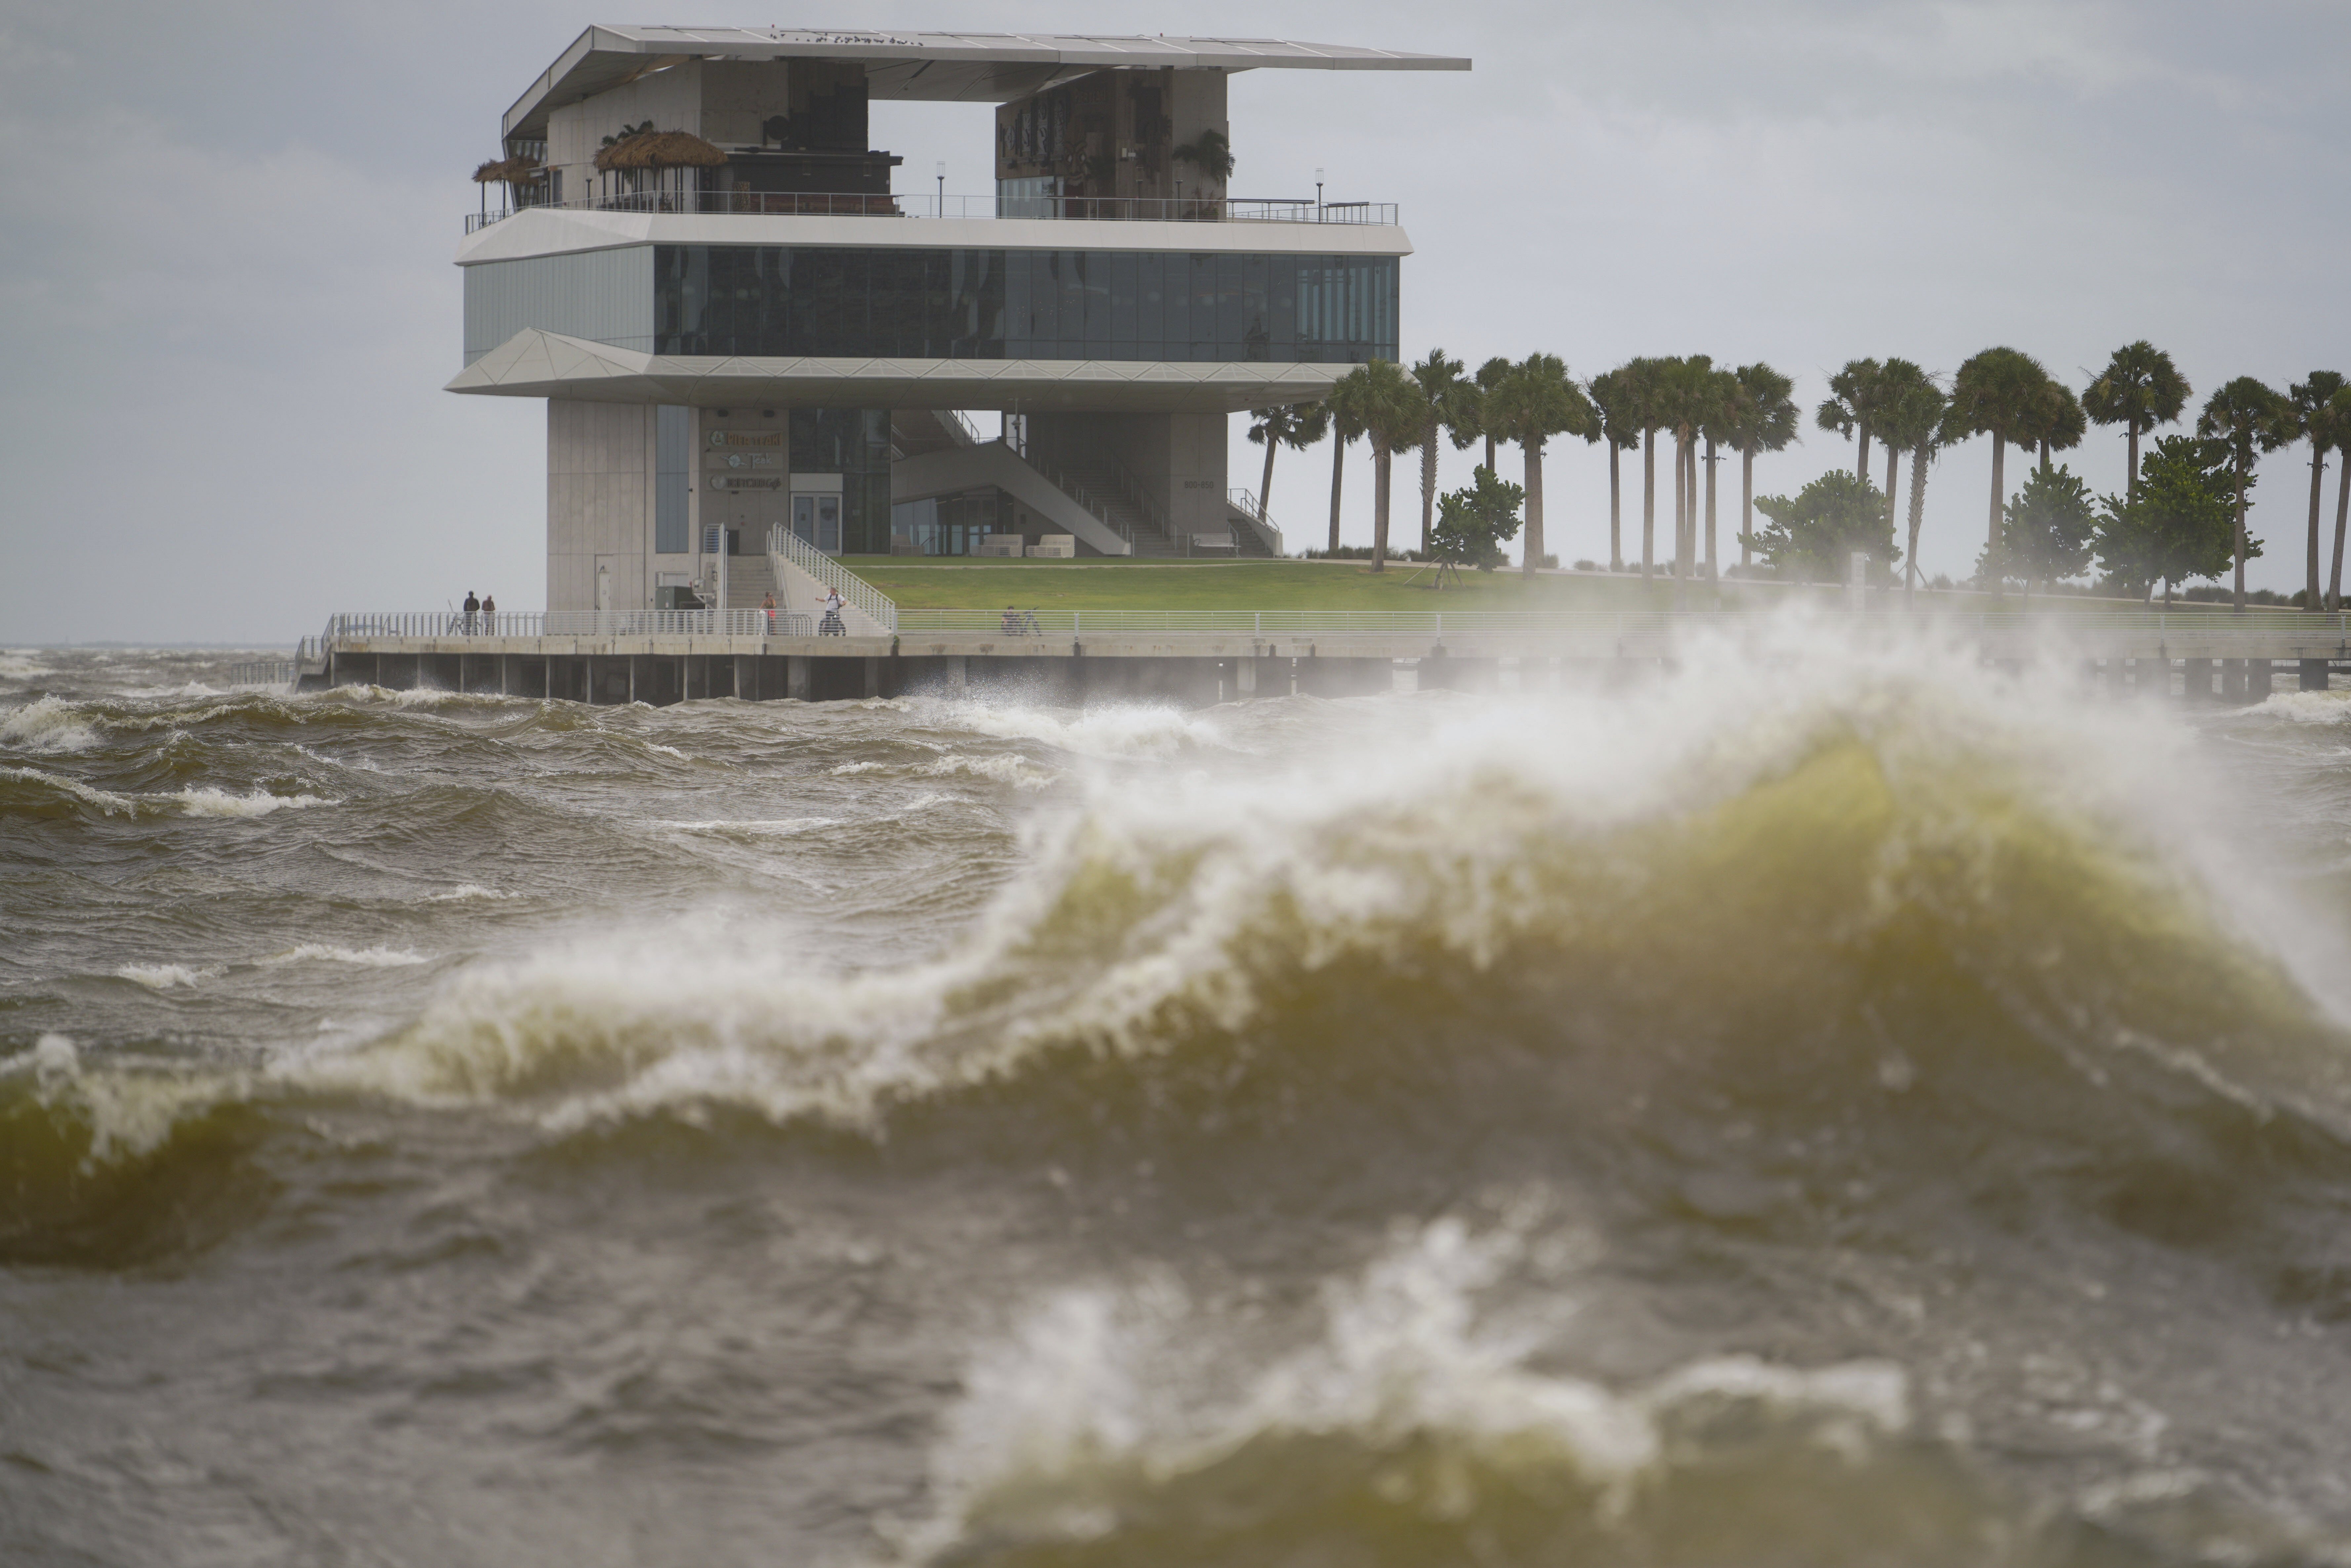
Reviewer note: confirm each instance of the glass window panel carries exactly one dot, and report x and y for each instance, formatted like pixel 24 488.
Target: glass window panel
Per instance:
pixel 1123 301
pixel 1204 307
pixel 786 301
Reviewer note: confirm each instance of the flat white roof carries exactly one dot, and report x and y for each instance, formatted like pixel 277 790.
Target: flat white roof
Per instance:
pixel 978 67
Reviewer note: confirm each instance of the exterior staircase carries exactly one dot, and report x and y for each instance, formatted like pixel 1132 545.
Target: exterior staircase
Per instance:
pixel 749 580
pixel 1102 490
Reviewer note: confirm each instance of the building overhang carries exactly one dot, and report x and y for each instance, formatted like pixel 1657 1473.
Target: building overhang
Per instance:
pixel 535 364
pixel 543 231
pixel 969 68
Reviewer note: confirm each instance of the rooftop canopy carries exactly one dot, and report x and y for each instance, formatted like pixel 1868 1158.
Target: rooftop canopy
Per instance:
pixel 973 68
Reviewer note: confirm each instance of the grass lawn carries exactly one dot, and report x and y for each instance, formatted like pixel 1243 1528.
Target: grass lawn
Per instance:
pixel 968 584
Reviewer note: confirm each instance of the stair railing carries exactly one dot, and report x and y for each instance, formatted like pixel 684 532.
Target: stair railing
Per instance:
pixel 859 594
pixel 1076 492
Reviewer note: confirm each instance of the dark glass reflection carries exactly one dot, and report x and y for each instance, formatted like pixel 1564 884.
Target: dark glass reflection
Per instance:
pixel 783 301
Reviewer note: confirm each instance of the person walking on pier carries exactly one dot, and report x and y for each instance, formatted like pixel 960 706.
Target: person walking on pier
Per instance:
pixel 473 609
pixel 831 625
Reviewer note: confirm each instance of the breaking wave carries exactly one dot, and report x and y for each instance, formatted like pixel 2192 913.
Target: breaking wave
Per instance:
pixel 1886 888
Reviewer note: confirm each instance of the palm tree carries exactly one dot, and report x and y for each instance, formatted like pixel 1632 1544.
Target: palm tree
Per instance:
pixel 2247 416
pixel 1684 387
pixel 2139 389
pixel 1999 392
pixel 2310 414
pixel 1899 383
pixel 1295 426
pixel 1910 420
pixel 1472 424
pixel 1645 380
pixel 2058 423
pixel 1388 406
pixel 1440 383
pixel 1612 395
pixel 2339 411
pixel 1850 405
pixel 1535 402
pixel 1765 419
pixel 1724 399
pixel 1345 428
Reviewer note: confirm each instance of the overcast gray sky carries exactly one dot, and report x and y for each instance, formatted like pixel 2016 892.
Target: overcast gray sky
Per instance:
pixel 228 307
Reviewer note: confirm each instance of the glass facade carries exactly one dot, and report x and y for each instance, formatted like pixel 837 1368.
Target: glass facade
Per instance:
pixel 950 524
pixel 853 442
pixel 836 302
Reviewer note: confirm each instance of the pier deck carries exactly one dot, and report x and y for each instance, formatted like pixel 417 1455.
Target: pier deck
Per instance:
pixel 1205 658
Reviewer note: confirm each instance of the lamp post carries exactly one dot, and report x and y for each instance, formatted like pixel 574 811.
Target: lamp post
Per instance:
pixel 940 169
pixel 1318 195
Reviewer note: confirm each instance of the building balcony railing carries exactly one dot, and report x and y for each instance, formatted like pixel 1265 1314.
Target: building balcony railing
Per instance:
pixel 1075 209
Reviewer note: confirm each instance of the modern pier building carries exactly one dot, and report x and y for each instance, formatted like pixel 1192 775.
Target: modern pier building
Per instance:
pixel 691 251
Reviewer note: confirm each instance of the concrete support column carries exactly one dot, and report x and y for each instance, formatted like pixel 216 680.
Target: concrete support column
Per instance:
pixel 958 674
pixel 1245 677
pixel 2232 680
pixel 2314 675
pixel 796 677
pixel 2259 676
pixel 873 677
pixel 2199 678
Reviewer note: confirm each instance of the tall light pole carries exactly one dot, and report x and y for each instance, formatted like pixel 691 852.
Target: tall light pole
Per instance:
pixel 1318 195
pixel 940 168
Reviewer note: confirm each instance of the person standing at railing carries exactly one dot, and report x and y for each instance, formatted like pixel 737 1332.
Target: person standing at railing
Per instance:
pixel 489 615
pixel 472 610
pixel 831 625
pixel 768 609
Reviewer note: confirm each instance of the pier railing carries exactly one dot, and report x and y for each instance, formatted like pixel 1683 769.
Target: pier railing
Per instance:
pixel 2200 628
pixel 929 204
pixel 526 623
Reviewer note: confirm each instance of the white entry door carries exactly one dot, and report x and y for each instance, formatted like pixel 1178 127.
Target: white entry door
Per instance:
pixel 816 520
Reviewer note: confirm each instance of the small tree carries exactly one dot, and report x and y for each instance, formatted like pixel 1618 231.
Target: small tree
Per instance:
pixel 2178 522
pixel 1810 537
pixel 1473 525
pixel 2047 532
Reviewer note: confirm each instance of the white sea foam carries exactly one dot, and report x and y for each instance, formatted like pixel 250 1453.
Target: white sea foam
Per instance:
pixel 2305 707
pixel 1003 766
pixel 1101 1382
pixel 377 957
pixel 775 827
pixel 22 666
pixel 127 1112
pixel 105 800
pixel 169 977
pixel 467 892
pixel 667 751
pixel 205 802
pixel 1121 731
pixel 48 725
pixel 849 768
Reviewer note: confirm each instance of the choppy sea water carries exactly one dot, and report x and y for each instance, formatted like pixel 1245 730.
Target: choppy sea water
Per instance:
pixel 1828 1108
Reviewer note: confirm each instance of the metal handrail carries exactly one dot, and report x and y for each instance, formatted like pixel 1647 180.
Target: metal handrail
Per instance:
pixel 263 672
pixel 529 623
pixel 437 624
pixel 861 594
pixel 1249 506
pixel 1053 475
pixel 1057 209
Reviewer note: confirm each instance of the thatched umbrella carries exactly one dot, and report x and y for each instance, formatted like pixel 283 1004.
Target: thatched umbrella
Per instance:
pixel 659 150
pixel 512 172
pixel 656 151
